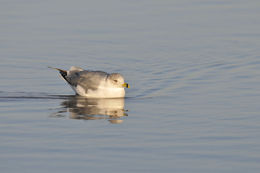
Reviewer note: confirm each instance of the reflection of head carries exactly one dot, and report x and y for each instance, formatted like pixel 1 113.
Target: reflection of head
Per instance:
pixel 92 109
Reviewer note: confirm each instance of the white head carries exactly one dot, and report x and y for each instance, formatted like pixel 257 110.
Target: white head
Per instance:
pixel 117 80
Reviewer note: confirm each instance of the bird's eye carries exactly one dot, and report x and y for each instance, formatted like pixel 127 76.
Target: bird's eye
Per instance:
pixel 115 80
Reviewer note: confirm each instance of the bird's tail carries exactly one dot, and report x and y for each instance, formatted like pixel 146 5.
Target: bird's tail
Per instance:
pixel 62 72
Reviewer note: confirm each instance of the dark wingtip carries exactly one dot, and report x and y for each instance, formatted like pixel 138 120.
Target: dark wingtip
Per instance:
pixel 62 72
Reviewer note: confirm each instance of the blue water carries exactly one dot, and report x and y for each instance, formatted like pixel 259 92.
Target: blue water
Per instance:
pixel 194 71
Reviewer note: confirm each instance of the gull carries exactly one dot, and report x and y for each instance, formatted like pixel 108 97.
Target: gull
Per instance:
pixel 94 84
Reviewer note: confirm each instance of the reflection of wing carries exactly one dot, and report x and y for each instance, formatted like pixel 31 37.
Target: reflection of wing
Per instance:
pixel 93 109
pixel 86 79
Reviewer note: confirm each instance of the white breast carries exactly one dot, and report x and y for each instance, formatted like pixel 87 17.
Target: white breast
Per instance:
pixel 101 92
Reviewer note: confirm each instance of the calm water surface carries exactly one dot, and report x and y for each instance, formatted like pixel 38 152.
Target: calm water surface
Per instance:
pixel 194 71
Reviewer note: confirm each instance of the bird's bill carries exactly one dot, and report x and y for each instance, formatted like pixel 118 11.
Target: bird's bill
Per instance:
pixel 126 85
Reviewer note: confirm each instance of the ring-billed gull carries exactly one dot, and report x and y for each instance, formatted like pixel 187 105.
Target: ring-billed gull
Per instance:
pixel 94 84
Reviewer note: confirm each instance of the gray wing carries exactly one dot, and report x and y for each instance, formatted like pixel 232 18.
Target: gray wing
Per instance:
pixel 86 79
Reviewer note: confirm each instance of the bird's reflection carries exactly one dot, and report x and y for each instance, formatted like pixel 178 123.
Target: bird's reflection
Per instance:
pixel 93 109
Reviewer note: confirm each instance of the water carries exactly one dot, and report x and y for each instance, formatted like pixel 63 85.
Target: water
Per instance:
pixel 193 105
